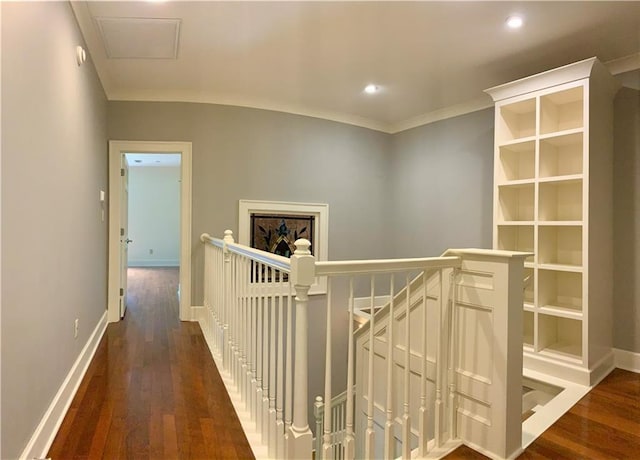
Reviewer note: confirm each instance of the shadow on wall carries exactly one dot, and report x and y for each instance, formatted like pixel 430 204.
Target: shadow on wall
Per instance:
pixel 626 198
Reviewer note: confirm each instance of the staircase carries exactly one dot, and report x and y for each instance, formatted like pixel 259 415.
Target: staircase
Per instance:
pixel 445 351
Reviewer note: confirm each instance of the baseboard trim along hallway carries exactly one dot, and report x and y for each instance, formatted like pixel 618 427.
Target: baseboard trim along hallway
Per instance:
pixel 627 360
pixel 47 429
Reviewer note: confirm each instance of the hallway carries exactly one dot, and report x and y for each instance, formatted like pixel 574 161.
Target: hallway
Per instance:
pixel 152 390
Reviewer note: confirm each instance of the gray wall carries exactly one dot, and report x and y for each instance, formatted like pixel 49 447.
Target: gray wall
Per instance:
pixel 54 164
pixel 626 220
pixel 154 216
pixel 241 153
pixel 442 186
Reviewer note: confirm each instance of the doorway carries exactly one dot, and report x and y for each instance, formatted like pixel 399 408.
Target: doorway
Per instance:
pixel 122 155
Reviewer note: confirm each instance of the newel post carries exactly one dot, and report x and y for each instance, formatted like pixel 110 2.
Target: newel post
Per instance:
pixel 302 277
pixel 227 300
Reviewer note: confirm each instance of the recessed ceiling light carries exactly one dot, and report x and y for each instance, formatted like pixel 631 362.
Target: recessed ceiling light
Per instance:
pixel 371 89
pixel 514 21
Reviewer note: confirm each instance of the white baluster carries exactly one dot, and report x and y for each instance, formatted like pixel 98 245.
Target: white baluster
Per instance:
pixel 302 274
pixel 226 301
pixel 423 433
pixel 265 361
pixel 389 441
pixel 406 418
pixel 452 330
pixel 369 442
pixel 327 444
pixel 288 399
pixel 254 343
pixel 349 444
pixel 441 339
pixel 318 412
pixel 259 351
pixel 236 312
pixel 246 273
pixel 244 382
pixel 272 368
pixel 280 373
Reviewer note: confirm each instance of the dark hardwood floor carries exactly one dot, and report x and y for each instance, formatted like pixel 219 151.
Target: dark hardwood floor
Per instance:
pixel 605 424
pixel 152 390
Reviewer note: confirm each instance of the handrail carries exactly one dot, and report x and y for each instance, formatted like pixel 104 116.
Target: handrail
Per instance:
pixel 267 258
pixel 355 267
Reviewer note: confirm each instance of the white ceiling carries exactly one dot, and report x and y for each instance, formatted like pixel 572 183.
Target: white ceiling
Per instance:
pixel 431 59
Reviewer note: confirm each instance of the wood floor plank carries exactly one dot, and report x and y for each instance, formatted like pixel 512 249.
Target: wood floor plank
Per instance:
pixel 152 390
pixel 605 424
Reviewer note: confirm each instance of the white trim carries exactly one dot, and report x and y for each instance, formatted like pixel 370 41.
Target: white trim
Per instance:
pixel 624 64
pixel 568 73
pixel 155 263
pixel 444 113
pixel 116 149
pixel 319 210
pixel 47 429
pixel 627 360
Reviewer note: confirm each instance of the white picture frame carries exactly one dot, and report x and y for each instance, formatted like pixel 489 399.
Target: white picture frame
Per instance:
pixel 320 212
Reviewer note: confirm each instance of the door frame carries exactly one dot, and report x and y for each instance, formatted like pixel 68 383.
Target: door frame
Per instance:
pixel 116 150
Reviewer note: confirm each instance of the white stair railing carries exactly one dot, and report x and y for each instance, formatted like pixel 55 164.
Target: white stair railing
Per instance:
pixel 261 348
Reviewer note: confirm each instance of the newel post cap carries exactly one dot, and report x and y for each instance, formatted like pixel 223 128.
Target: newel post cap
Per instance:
pixel 228 236
pixel 302 247
pixel 303 264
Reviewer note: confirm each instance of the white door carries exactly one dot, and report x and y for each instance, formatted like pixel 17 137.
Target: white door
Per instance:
pixel 124 233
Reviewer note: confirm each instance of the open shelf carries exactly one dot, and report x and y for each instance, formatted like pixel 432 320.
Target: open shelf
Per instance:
pixel 517 120
pixel 516 202
pixel 560 290
pixel 527 328
pixel 517 162
pixel 560 201
pixel 560 336
pixel 561 245
pixel 562 110
pixel 561 155
pixel 516 238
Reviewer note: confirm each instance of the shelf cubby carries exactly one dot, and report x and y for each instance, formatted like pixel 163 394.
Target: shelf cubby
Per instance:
pixel 561 155
pixel 516 238
pixel 560 201
pixel 517 162
pixel 560 336
pixel 560 290
pixel 529 286
pixel 516 203
pixel 517 120
pixel 561 245
pixel 528 328
pixel 562 110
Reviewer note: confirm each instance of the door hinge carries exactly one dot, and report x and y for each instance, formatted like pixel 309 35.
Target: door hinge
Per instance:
pixel 121 292
pixel 122 232
pixel 122 171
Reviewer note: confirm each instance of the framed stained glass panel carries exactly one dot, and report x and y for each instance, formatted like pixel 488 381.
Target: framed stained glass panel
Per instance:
pixel 274 226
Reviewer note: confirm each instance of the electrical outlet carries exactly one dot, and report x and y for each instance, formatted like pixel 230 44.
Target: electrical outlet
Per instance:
pixel 75 329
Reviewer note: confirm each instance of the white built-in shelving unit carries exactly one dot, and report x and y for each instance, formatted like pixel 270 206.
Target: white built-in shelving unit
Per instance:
pixel 553 197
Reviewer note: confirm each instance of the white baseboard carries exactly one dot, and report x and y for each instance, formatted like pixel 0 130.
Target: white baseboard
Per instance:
pixel 197 313
pixel 47 429
pixel 627 360
pixel 154 263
